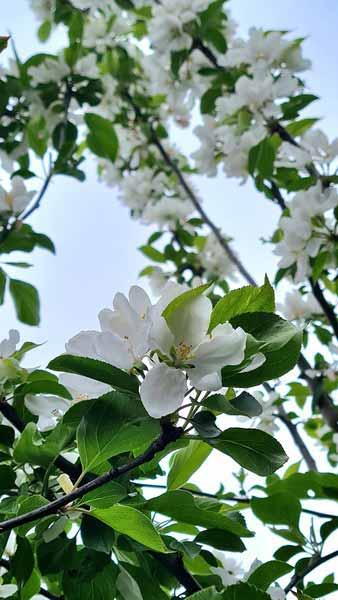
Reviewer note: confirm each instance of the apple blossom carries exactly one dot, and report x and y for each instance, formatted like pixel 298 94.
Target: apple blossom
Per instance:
pixel 17 199
pixel 230 572
pixel 48 408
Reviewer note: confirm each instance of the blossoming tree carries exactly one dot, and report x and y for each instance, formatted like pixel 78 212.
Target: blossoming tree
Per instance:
pixel 90 505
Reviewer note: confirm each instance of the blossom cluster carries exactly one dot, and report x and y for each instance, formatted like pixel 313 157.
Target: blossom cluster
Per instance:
pixel 170 352
pixel 307 229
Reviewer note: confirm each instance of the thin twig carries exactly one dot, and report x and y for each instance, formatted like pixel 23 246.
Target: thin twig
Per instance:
pixel 313 564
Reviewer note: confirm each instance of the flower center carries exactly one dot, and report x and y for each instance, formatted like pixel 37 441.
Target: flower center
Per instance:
pixel 183 350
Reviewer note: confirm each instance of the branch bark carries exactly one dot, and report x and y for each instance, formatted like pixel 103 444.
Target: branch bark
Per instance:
pixel 328 309
pixel 316 562
pixel 169 434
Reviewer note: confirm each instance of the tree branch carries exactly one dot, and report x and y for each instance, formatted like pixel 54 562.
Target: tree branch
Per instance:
pixel 172 164
pixel 297 438
pixel 169 434
pixel 237 499
pixel 174 564
pixel 328 309
pixel 313 564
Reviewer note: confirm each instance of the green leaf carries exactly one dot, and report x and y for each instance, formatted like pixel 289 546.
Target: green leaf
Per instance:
pixel 266 574
pixel 292 107
pixel 130 521
pixel 127 586
pixel 222 540
pixel 22 563
pixel 95 369
pixel 245 404
pixel 278 509
pixel 247 299
pixel 44 31
pixel 208 99
pixel 26 301
pixel 44 387
pixel 321 590
pixel 242 591
pixel 114 424
pixel 152 253
pixel 103 497
pixel 322 485
pixel 95 578
pixel 261 158
pixel 37 135
pixel 96 535
pixel 7 477
pixel 253 449
pixel 209 593
pixel 186 508
pixel 280 342
pixel 31 587
pixel 102 139
pixel 3 279
pixel 32 447
pixel 300 127
pixel 180 301
pixel 186 462
pixel 3 42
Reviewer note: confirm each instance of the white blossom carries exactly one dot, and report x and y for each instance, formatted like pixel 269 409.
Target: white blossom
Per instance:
pixel 17 199
pixel 230 572
pixel 50 69
pixel 50 409
pixel 167 211
pixel 8 346
pixel 298 306
pixel 302 239
pixel 166 29
pixel 7 589
pixel 43 9
pixel 314 147
pixel 215 261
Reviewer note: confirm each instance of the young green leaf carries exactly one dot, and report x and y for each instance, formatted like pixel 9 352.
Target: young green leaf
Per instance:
pixel 278 340
pixel 278 509
pixel 247 299
pixel 102 139
pixel 26 301
pixel 186 462
pixel 186 508
pixel 132 522
pixel 95 369
pixel 267 573
pixel 253 449
pixel 114 424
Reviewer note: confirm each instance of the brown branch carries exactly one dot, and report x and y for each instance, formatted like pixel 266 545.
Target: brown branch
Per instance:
pixel 313 564
pixel 174 564
pixel 172 164
pixel 310 461
pixel 328 309
pixel 169 434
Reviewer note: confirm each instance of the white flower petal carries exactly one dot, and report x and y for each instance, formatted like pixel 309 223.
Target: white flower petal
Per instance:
pixel 139 300
pixel 226 347
pixel 114 350
pixel 190 323
pixel 162 391
pixel 256 361
pixel 205 381
pixel 7 590
pixel 84 344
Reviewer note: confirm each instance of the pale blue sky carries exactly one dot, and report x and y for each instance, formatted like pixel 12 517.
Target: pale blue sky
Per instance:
pixel 96 240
